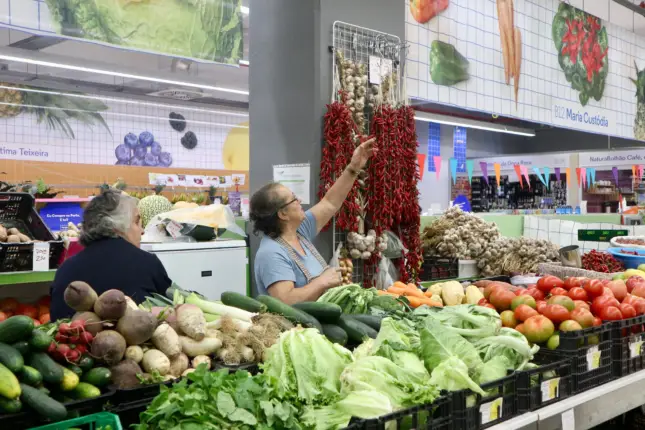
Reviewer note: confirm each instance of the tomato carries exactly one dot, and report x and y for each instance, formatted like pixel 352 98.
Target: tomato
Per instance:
pixel 488 305
pixel 36 323
pixel 629 299
pixel 424 10
pixel 627 310
pixel 28 310
pixel 583 317
pixel 538 328
pixel 578 293
pixel 44 301
pixel 9 304
pixel 533 292
pixel 607 292
pixel 501 298
pixel 520 328
pixel 547 283
pixel 523 300
pixel 3 316
pixel 639 290
pixel 593 287
pixel 540 305
pixel 572 282
pixel 633 282
pixel 602 302
pixel 611 313
pixel 524 312
pixel 619 289
pixel 490 288
pixel 508 319
pixel 639 305
pixel 570 325
pixel 562 300
pixel 556 313
pixel 44 318
pixel 557 291
pixel 597 321
pixel 482 302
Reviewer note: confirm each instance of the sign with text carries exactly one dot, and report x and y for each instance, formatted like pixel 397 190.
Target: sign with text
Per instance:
pixel 600 235
pixel 625 158
pixel 588 118
pixel 58 215
pixel 507 163
pixel 41 257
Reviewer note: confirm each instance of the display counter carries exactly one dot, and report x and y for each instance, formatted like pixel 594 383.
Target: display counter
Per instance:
pixel 513 225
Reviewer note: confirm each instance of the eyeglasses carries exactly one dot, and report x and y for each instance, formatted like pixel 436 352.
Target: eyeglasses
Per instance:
pixel 288 203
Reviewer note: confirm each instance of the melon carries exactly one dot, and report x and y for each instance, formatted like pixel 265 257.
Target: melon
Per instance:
pixel 151 206
pixel 184 205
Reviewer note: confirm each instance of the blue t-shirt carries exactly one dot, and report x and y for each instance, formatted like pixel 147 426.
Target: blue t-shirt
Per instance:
pixel 273 264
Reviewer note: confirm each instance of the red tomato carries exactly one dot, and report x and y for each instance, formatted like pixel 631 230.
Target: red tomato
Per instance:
pixel 629 299
pixel 602 302
pixel 628 311
pixel 611 313
pixel 607 292
pixel 36 323
pixel 593 287
pixel 547 283
pixel 540 305
pixel 572 282
pixel 556 313
pixel 9 304
pixel 582 317
pixel 44 318
pixel 482 302
pixel 533 292
pixel 488 305
pixel 524 312
pixel 618 288
pixel 558 291
pixel 633 282
pixel 639 305
pixel 578 293
pixel 28 310
pixel 3 316
pixel 520 328
pixel 597 321
pixel 44 301
pixel 581 305
pixel 639 290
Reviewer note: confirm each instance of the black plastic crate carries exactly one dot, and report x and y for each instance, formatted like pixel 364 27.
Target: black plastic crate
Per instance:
pixel 138 394
pixel 544 385
pixel 437 268
pixel 590 353
pixel 434 416
pixel 471 411
pixel 252 368
pixel 129 412
pixel 17 210
pixel 627 337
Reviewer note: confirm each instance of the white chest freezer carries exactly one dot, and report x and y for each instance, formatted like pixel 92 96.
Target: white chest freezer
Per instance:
pixel 208 268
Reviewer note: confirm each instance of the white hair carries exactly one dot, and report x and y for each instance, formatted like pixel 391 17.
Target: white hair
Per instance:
pixel 108 215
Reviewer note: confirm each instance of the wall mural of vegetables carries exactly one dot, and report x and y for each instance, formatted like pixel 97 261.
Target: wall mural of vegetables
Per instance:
pixel 424 10
pixel 582 44
pixel 511 39
pixel 205 29
pixel 447 65
pixel 639 121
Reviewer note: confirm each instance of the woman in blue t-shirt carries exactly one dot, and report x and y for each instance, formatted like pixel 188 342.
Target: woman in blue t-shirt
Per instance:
pixel 287 265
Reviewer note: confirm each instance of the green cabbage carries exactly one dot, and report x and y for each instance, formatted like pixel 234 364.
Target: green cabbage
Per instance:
pixel 204 29
pixel 360 404
pixel 452 375
pixel 465 320
pixel 439 345
pixel 508 343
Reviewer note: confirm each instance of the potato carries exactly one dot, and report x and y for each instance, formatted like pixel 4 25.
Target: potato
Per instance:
pixel 13 238
pixel 13 231
pixel 93 323
pixel 179 364
pixel 134 353
pixel 109 347
pixel 166 340
pixel 137 326
pixel 3 234
pixel 153 359
pixel 125 374
pixel 24 238
pixel 110 305
pixel 80 296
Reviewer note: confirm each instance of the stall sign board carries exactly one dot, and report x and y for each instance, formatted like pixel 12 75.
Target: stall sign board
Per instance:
pixel 600 235
pixel 58 215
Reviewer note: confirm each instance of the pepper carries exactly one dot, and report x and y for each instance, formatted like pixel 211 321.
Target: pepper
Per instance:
pixel 447 65
pixel 424 10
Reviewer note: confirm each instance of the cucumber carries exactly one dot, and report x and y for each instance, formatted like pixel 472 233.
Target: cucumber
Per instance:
pixel 22 347
pixel 9 386
pixel 42 404
pixel 85 391
pixel 229 298
pixel 356 330
pixel 335 334
pixel 294 315
pixel 10 406
pixel 16 328
pixel 99 376
pixel 77 370
pixel 30 376
pixel 86 363
pixel 40 340
pixel 371 320
pixel 70 380
pixel 52 372
pixel 10 357
pixel 326 313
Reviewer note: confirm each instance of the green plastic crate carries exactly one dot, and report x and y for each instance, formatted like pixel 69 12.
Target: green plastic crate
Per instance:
pixel 98 421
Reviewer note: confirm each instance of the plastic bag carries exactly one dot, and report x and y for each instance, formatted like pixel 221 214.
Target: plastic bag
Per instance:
pixel 386 275
pixel 395 248
pixel 335 259
pixel 216 216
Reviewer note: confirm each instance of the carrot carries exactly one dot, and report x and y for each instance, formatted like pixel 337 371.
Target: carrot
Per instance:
pixel 501 19
pixel 415 302
pixel 518 61
pixel 428 293
pixel 431 303
pixel 399 284
pixel 386 293
pixel 399 291
pixel 510 36
pixel 415 292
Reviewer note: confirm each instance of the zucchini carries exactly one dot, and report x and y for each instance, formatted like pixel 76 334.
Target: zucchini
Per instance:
pixel 296 316
pixel 40 340
pixel 230 298
pixel 42 404
pixel 52 372
pixel 22 347
pixel 335 334
pixel 10 406
pixel 356 330
pixel 9 386
pixel 326 313
pixel 30 376
pixel 16 328
pixel 371 320
pixel 70 380
pixel 85 391
pixel 10 357
pixel 99 376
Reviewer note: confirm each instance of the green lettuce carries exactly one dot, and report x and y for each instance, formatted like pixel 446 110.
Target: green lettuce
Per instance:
pixel 452 375
pixel 439 345
pixel 492 370
pixel 360 404
pixel 509 343
pixel 465 320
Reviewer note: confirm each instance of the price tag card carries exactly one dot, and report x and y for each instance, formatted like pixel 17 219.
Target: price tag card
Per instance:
pixel 491 411
pixel 568 420
pixel 635 348
pixel 173 228
pixel 379 68
pixel 593 358
pixel 550 389
pixel 41 257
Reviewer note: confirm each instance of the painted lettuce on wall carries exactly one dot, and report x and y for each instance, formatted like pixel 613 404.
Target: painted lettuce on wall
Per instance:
pixel 203 29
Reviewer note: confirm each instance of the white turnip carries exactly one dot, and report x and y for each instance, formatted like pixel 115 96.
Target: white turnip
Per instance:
pixel 202 359
pixel 155 360
pixel 166 340
pixel 193 348
pixel 191 321
pixel 134 353
pixel 179 364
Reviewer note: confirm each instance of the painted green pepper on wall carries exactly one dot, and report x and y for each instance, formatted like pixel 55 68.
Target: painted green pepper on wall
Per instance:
pixel 447 65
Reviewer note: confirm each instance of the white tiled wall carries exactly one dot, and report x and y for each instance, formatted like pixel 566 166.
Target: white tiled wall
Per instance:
pixel 472 27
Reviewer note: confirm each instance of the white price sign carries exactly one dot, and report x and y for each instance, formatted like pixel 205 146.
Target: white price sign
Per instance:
pixel 550 389
pixel 41 257
pixel 173 228
pixel 593 358
pixel 491 411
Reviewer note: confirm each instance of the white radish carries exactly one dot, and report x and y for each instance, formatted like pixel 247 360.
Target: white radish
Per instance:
pixel 202 359
pixel 191 321
pixel 166 340
pixel 134 353
pixel 193 348
pixel 179 364
pixel 155 360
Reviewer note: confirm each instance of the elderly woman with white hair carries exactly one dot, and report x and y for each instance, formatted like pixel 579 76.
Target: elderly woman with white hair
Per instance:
pixel 111 259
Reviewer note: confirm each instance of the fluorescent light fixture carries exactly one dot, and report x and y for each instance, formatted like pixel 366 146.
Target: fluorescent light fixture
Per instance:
pixel 469 123
pixel 244 10
pixel 119 74
pixel 125 101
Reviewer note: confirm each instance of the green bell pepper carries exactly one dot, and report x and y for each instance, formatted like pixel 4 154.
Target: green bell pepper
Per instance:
pixel 447 65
